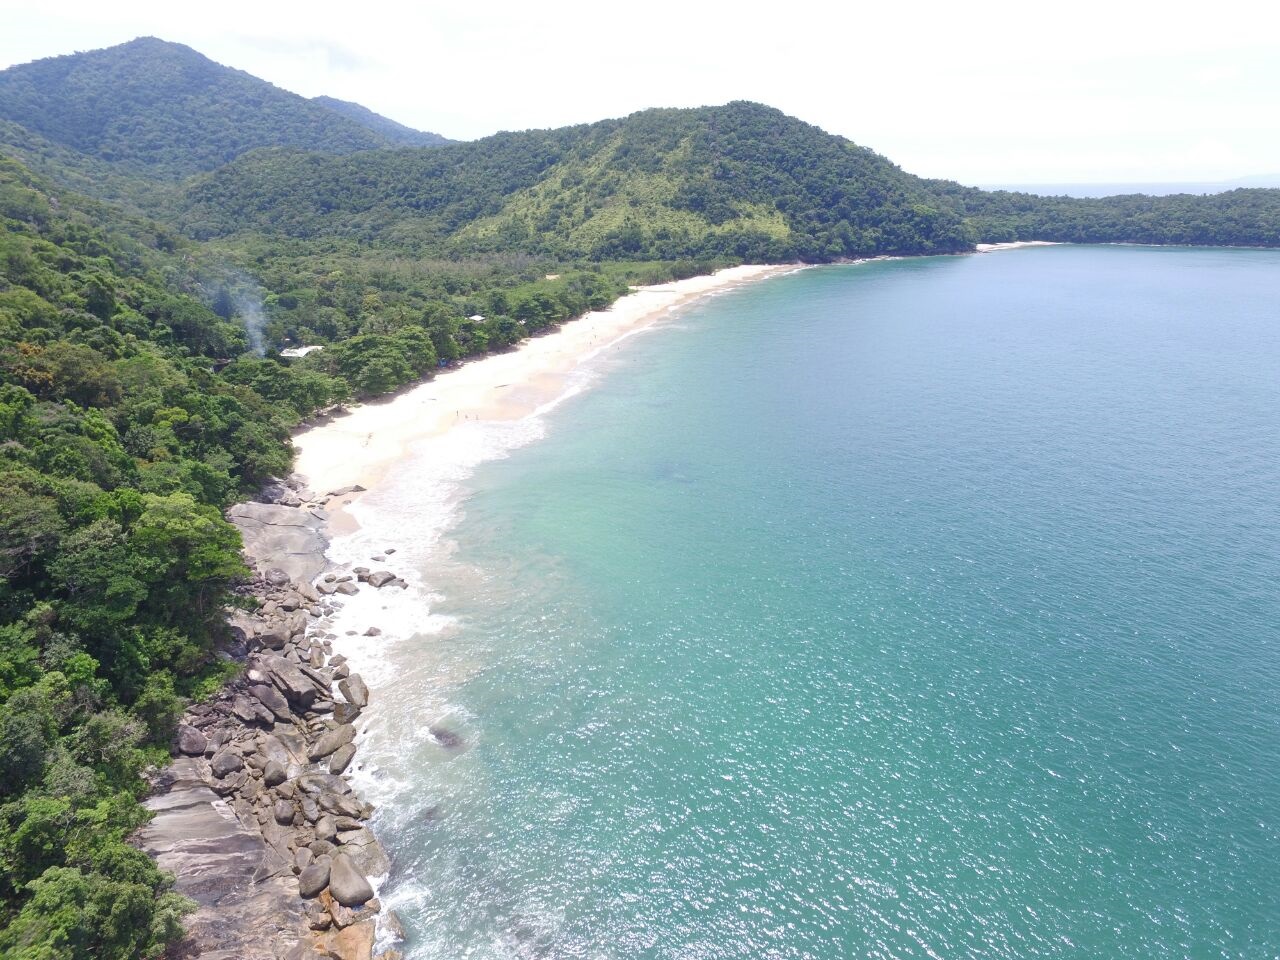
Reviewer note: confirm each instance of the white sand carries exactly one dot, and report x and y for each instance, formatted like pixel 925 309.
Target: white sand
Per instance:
pixel 360 446
pixel 1015 245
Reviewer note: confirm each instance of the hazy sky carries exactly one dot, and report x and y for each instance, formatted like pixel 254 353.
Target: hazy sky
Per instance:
pixel 983 92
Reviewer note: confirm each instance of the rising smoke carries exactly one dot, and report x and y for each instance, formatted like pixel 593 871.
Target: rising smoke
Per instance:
pixel 234 295
pixel 249 308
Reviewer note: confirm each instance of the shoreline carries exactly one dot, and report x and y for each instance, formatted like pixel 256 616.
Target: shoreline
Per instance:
pixel 1014 245
pixel 355 449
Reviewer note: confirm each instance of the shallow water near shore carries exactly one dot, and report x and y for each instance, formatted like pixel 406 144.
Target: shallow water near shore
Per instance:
pixel 922 608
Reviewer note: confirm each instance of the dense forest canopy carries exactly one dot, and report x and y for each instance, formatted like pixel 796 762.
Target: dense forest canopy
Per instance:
pixel 152 201
pixel 164 110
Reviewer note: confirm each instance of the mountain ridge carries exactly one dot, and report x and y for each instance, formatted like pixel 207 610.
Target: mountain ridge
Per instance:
pixel 162 109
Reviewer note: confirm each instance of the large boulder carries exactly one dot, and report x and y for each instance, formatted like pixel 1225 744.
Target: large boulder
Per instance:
pixel 225 763
pixel 341 758
pixel 283 812
pixel 274 773
pixel 297 687
pixel 341 804
pixel 292 540
pixel 318 783
pixel 191 741
pixel 273 636
pixel 273 700
pixel 380 578
pixel 354 689
pixel 244 709
pixel 332 740
pixel 345 712
pixel 314 878
pixel 347 884
pixel 364 849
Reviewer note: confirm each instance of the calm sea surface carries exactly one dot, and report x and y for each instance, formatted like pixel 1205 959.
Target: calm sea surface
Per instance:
pixel 921 608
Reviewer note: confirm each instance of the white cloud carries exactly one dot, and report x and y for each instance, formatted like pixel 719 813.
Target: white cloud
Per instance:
pixel 982 92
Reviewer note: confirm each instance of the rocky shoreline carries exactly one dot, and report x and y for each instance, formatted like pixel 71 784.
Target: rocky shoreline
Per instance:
pixel 254 816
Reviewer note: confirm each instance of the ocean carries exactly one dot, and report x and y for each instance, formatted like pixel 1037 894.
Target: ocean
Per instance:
pixel 923 608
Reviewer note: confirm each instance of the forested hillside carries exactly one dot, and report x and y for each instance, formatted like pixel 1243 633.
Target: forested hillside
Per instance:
pixel 1245 217
pixel 118 446
pixel 742 181
pixel 396 133
pixel 163 110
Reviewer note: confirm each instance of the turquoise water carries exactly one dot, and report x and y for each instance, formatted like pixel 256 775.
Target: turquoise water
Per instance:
pixel 922 608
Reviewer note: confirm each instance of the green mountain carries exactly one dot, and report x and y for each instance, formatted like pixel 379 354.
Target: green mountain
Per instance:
pixel 394 132
pixel 165 111
pixel 740 181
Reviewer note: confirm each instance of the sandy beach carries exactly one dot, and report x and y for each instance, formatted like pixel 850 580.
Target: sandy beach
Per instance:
pixel 358 447
pixel 1013 245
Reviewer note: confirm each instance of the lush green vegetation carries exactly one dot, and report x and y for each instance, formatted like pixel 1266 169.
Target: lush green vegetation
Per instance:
pixel 164 110
pixel 1246 217
pixel 134 404
pixel 741 181
pixel 395 133
pixel 118 446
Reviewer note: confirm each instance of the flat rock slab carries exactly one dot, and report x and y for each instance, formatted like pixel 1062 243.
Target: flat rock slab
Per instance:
pixel 196 836
pixel 285 538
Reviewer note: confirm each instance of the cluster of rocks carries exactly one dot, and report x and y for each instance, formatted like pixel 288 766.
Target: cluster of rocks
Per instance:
pixel 267 755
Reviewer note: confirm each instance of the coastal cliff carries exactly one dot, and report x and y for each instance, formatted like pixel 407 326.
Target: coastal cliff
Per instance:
pixel 254 816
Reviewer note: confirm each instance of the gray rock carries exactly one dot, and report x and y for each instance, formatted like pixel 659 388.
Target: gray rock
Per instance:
pixel 191 741
pixel 341 758
pixel 446 737
pixel 326 829
pixel 319 783
pixel 243 709
pixel 291 681
pixel 273 700
pixel 225 763
pixel 302 859
pixel 343 805
pixel 322 848
pixel 315 878
pixel 364 849
pixel 343 491
pixel 351 919
pixel 347 589
pixel 292 541
pixel 273 637
pixel 347 884
pixel 217 859
pixel 331 741
pixel 283 812
pixel 318 918
pixel 274 773
pixel 230 784
pixel 310 809
pixel 345 712
pixel 354 689
pixel 381 578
